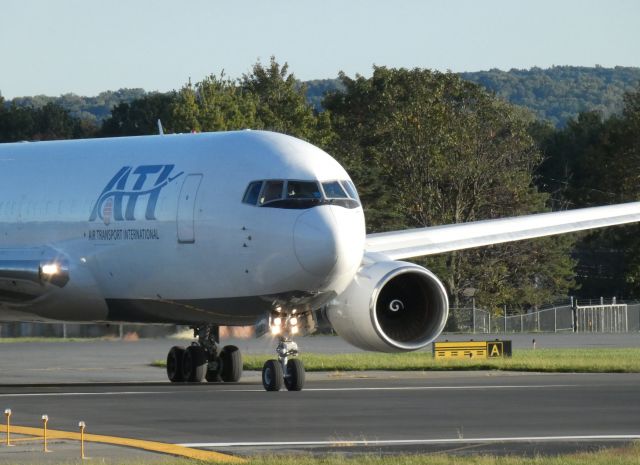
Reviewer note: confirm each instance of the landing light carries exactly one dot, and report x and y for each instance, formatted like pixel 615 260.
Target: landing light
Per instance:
pixel 294 330
pixel 293 321
pixel 50 269
pixel 275 330
pixel 277 321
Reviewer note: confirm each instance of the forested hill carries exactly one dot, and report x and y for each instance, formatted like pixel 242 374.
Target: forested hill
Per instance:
pixel 555 94
pixel 95 109
pixel 560 93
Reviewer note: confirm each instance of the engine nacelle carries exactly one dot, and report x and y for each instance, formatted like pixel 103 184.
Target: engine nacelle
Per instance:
pixel 391 306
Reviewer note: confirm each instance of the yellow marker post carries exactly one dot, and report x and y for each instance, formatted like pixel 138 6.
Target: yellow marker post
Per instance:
pixel 7 413
pixel 45 420
pixel 82 426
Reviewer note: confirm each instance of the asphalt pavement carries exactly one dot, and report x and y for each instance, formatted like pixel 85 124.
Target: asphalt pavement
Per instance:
pixel 110 386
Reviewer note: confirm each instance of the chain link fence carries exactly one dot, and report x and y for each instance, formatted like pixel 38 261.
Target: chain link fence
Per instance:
pixel 583 316
pixel 579 316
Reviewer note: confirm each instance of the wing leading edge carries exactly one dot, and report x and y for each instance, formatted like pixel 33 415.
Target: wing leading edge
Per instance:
pixel 398 245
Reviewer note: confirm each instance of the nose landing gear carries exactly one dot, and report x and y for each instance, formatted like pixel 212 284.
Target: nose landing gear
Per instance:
pixel 201 360
pixel 290 371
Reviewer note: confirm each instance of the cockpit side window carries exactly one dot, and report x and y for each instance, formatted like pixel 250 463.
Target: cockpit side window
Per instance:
pixel 272 191
pixel 351 189
pixel 252 193
pixel 333 190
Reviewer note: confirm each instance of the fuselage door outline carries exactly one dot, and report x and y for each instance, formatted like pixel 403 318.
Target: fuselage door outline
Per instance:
pixel 185 219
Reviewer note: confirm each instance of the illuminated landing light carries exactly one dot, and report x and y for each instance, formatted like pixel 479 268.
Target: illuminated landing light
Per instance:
pixel 294 330
pixel 54 272
pixel 277 321
pixel 51 269
pixel 293 321
pixel 275 330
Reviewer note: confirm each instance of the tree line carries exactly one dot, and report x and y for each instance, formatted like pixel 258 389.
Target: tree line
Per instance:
pixel 560 93
pixel 425 148
pixel 556 94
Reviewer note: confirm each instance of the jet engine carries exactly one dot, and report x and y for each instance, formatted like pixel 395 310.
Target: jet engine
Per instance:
pixel 390 306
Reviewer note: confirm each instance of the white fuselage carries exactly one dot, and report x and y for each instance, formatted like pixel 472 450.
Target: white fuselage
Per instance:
pixel 154 229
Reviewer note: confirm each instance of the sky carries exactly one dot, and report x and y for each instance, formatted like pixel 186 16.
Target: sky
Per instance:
pixel 88 46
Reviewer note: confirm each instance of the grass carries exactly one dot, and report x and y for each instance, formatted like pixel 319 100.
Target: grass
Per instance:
pixel 600 360
pixel 626 455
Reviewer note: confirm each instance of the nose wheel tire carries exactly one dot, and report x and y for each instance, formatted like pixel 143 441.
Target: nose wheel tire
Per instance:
pixel 174 364
pixel 272 376
pixel 194 364
pixel 295 375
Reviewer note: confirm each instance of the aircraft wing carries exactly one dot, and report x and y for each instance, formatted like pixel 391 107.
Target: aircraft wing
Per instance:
pixel 398 245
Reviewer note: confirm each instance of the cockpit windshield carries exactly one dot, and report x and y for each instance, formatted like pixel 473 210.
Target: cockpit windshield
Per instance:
pixel 272 191
pixel 303 190
pixel 300 194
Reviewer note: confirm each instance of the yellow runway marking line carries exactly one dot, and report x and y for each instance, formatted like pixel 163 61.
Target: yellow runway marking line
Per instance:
pixel 151 446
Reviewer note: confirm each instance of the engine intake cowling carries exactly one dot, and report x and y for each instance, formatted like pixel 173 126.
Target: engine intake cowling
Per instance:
pixel 391 306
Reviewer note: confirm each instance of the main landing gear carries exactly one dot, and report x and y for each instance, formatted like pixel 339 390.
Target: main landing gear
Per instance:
pixel 289 371
pixel 201 360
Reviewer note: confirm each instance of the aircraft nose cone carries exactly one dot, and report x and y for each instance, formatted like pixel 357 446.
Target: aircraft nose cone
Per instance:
pixel 315 241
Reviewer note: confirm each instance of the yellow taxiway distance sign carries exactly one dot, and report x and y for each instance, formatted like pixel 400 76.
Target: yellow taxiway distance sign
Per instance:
pixel 472 349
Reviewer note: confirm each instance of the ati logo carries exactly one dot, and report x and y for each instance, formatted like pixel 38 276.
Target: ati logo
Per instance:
pixel 119 198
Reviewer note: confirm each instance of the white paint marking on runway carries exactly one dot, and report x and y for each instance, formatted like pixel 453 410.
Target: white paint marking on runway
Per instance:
pixel 391 442
pixel 80 394
pixel 444 388
pixel 421 388
pixel 336 389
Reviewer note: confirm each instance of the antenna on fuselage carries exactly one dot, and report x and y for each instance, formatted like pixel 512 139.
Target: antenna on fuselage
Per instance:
pixel 160 130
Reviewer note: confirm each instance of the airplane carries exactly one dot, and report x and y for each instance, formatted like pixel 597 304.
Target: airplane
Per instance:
pixel 230 228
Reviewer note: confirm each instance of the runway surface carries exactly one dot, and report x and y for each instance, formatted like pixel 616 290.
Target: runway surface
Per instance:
pixel 107 385
pixel 128 361
pixel 443 411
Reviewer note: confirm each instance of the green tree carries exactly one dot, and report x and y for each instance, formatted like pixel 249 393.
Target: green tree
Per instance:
pixel 185 110
pixel 598 162
pixel 213 104
pixel 45 123
pixel 54 122
pixel 281 103
pixel 16 124
pixel 613 176
pixel 268 98
pixel 445 151
pixel 223 106
pixel 140 117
